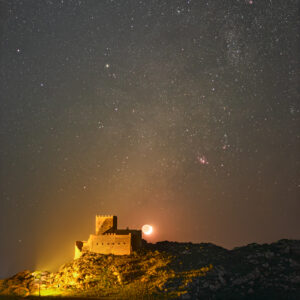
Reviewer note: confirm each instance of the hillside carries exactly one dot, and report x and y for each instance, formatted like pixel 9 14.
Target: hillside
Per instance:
pixel 168 270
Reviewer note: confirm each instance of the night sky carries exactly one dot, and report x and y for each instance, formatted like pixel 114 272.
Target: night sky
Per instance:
pixel 180 114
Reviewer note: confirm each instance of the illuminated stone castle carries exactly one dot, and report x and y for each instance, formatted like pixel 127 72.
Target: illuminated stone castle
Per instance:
pixel 109 239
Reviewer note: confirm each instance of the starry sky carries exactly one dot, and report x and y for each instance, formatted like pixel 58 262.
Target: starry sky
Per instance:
pixel 179 114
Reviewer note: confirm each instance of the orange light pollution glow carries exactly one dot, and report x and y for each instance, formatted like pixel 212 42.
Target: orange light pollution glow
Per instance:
pixel 147 229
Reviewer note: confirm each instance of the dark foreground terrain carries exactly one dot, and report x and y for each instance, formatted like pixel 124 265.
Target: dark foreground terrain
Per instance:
pixel 168 270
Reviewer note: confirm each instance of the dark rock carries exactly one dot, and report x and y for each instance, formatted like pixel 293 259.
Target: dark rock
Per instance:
pixel 171 269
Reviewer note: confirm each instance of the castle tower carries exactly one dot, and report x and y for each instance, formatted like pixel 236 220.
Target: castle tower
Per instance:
pixel 106 224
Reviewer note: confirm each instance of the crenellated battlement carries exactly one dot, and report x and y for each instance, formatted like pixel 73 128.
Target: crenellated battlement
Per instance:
pixel 104 216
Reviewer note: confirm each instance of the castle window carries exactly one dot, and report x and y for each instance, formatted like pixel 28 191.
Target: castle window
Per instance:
pixel 102 243
pixel 118 243
pixel 97 244
pixel 112 243
pixel 107 243
pixel 124 243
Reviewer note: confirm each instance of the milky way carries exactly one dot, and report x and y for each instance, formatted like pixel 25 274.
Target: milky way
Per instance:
pixel 179 114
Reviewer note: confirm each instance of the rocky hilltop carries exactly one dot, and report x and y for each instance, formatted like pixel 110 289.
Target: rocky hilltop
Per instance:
pixel 168 270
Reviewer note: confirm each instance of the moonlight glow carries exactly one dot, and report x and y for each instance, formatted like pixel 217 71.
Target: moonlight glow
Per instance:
pixel 147 229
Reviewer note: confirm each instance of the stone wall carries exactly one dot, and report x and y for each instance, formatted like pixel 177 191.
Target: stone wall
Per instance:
pixel 110 244
pixel 78 248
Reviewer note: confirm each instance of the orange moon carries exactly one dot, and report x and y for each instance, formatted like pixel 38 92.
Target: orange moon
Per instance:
pixel 147 229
